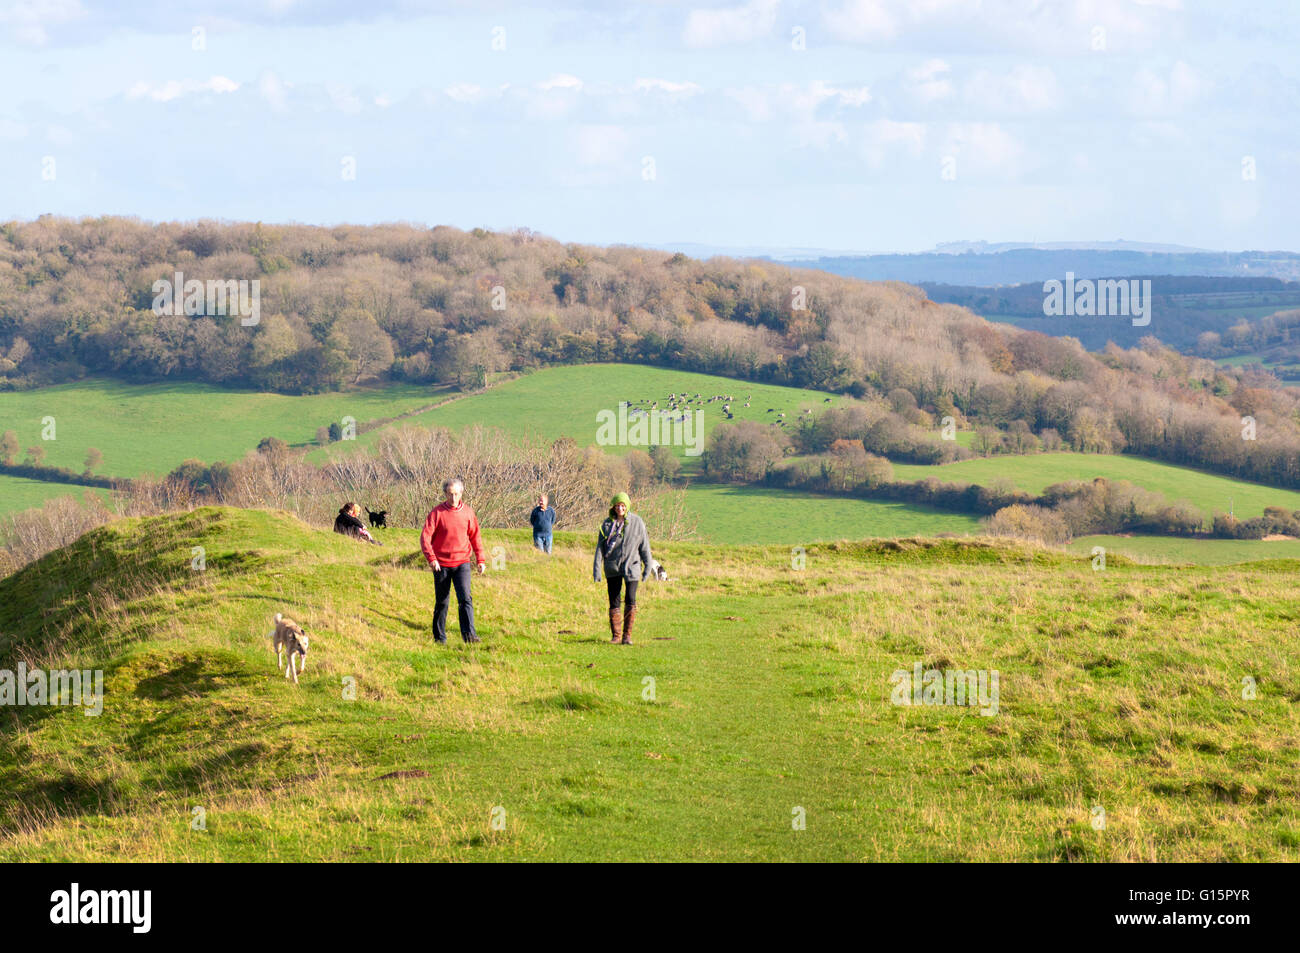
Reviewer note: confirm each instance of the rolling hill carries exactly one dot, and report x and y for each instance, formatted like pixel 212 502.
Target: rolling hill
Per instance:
pixel 758 696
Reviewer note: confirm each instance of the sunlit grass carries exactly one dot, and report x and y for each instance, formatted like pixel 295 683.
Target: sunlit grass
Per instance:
pixel 1120 688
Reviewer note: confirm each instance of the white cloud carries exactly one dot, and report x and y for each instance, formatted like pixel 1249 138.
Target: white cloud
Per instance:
pixel 719 27
pixel 1155 93
pixel 1023 89
pixel 929 81
pixel 464 92
pixel 985 145
pixel 666 86
pixel 600 144
pixel 754 101
pixel 1038 25
pixel 28 20
pixel 796 101
pixel 859 20
pixel 175 88
pixel 273 90
pixel 818 135
pixel 60 135
pixel 560 81
pixel 343 98
pixel 883 137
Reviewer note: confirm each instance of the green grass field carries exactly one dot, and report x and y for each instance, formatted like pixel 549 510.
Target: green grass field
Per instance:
pixel 1033 473
pixel 20 493
pixel 755 694
pixel 154 427
pixel 1201 552
pixel 150 428
pixel 751 514
pixel 563 402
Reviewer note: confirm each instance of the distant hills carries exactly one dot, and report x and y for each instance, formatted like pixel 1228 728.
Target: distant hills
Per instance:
pixel 1182 309
pixel 998 264
pixel 992 269
pixel 989 248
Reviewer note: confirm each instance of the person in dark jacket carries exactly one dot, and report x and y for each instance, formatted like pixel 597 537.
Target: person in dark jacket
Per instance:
pixel 543 519
pixel 348 522
pixel 623 551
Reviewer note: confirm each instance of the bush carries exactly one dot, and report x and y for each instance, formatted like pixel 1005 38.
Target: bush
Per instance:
pixel 1029 521
pixel 743 451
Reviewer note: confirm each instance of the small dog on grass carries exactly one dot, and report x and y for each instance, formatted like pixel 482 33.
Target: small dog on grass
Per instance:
pixel 378 519
pixel 289 636
pixel 658 571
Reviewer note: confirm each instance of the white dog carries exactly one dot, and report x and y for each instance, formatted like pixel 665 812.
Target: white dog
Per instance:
pixel 657 570
pixel 288 635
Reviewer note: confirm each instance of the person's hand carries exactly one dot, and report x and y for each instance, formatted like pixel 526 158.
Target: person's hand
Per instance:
pixel 482 568
pixel 434 566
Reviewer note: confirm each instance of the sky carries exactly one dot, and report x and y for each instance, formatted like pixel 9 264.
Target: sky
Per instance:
pixel 867 125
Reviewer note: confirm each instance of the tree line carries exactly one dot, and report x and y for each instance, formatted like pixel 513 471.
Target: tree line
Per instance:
pixel 350 305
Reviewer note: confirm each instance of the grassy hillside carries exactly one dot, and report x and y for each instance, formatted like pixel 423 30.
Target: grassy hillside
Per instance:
pixel 1202 552
pixel 1035 472
pixel 563 402
pixel 753 514
pixel 20 493
pixel 771 694
pixel 150 428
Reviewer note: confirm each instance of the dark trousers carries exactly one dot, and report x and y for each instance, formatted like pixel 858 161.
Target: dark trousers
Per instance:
pixel 614 584
pixel 443 580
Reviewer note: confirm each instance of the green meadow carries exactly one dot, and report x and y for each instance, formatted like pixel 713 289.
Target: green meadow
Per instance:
pixel 750 514
pixel 1035 472
pixel 21 493
pixel 1202 552
pixel 559 402
pixel 754 718
pixel 150 428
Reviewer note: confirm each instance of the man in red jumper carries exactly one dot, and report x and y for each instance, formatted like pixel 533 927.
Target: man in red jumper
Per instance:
pixel 449 532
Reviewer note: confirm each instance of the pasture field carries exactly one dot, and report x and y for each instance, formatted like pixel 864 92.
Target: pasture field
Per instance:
pixel 20 493
pixel 150 428
pixel 752 514
pixel 1201 552
pixel 563 401
pixel 1033 473
pixel 756 696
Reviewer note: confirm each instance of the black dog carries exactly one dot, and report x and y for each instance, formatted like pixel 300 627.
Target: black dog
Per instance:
pixel 378 519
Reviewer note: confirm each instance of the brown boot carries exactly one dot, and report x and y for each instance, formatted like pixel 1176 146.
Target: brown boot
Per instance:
pixel 616 623
pixel 629 616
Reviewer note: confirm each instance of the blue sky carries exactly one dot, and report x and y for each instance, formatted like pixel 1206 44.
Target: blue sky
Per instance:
pixel 851 124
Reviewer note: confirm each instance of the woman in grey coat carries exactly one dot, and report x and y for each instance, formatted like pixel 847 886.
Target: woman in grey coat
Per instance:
pixel 623 548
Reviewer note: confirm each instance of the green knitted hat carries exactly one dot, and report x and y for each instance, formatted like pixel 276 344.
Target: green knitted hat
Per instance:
pixel 621 498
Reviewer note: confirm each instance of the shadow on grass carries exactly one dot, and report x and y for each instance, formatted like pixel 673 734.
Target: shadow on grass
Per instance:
pixel 407 623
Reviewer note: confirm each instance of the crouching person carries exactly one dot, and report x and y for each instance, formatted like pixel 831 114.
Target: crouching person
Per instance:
pixel 623 551
pixel 348 522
